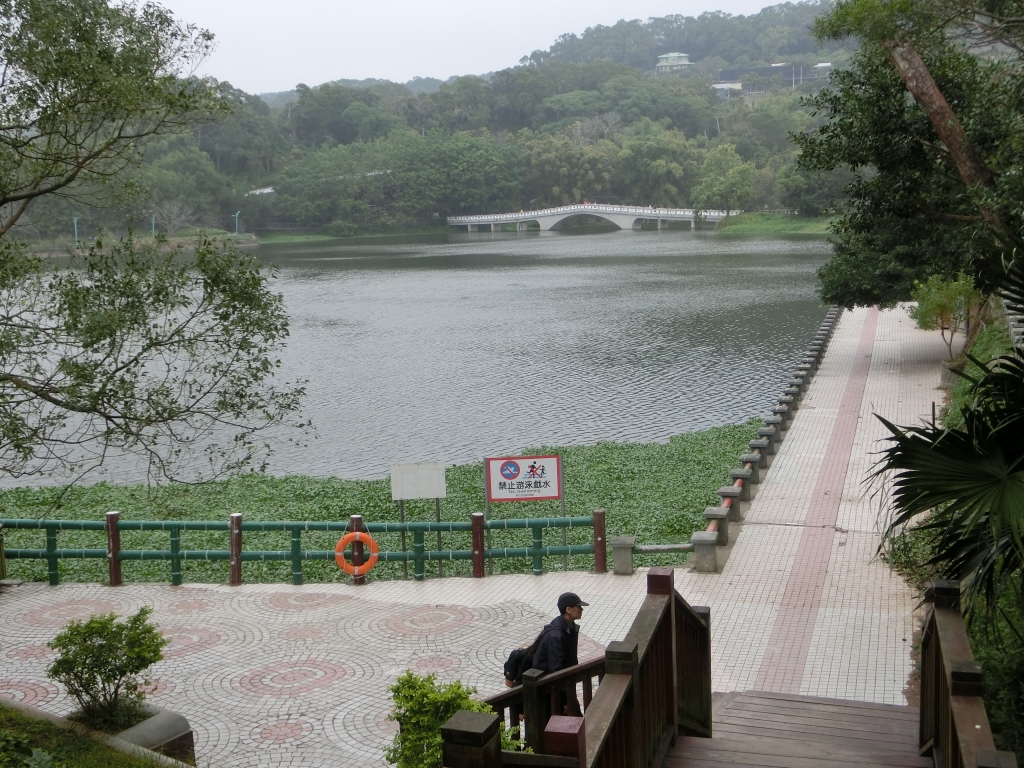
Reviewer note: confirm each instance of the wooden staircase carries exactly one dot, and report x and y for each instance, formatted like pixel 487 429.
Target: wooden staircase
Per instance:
pixel 776 730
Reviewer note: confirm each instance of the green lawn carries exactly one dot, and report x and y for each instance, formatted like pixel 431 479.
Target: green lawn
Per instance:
pixel 655 491
pixel 767 223
pixel 67 748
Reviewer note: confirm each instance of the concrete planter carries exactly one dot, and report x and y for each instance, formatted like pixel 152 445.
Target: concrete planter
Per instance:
pixel 165 732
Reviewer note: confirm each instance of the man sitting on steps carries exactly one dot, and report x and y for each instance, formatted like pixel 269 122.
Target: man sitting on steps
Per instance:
pixel 556 648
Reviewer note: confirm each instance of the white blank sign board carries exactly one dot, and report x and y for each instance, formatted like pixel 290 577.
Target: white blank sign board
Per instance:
pixel 423 480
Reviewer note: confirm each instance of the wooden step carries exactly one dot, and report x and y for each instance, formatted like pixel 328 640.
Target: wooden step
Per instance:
pixel 772 730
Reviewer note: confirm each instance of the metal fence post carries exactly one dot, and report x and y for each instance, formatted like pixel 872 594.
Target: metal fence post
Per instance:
pixel 296 555
pixel 478 545
pixel 538 549
pixel 418 554
pixel 600 543
pixel 235 545
pixel 51 555
pixel 176 556
pixel 355 525
pixel 113 549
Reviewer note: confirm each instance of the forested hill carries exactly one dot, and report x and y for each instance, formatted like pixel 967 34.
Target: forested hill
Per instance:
pixel 713 40
pixel 582 121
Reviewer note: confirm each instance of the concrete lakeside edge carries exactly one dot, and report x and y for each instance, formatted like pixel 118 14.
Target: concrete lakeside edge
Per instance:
pixel 269 673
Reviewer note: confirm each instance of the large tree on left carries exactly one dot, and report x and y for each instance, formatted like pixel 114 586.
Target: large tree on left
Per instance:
pixel 132 349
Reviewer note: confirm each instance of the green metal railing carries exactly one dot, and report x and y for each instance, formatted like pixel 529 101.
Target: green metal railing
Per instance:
pixel 419 554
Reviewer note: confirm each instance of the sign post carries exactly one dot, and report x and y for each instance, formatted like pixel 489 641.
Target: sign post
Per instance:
pixel 422 480
pixel 523 478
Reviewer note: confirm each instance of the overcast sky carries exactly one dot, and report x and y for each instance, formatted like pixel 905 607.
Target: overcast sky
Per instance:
pixel 266 45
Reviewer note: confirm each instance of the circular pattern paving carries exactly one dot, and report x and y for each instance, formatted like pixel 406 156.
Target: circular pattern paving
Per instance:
pixel 60 614
pixel 192 606
pixel 303 633
pixel 159 688
pixel 184 641
pixel 291 678
pixel 431 665
pixel 31 652
pixel 301 601
pixel 27 691
pixel 430 620
pixel 281 732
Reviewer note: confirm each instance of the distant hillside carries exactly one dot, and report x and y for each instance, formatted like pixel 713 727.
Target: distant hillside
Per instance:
pixel 713 40
pixel 388 90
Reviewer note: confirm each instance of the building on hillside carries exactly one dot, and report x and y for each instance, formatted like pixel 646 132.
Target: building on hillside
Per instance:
pixel 759 81
pixel 672 62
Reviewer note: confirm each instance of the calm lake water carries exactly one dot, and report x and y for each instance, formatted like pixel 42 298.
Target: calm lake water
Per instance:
pixel 455 347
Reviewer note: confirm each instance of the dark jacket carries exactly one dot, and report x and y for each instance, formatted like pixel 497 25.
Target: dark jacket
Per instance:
pixel 556 648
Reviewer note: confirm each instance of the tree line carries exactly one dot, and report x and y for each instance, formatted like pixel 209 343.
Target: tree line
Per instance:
pixel 560 128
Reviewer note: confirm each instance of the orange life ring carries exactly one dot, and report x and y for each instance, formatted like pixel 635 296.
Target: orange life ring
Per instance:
pixel 345 565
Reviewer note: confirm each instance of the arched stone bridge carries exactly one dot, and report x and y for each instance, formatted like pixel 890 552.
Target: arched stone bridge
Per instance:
pixel 623 216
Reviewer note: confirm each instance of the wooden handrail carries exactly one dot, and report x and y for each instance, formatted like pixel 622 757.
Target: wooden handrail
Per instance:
pixel 654 685
pixel 954 727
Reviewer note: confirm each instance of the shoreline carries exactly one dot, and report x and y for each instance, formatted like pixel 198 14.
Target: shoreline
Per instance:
pixel 654 491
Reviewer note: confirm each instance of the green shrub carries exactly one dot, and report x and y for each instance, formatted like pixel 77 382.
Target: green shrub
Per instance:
pixel 15 751
pixel 944 305
pixel 100 662
pixel 991 342
pixel 421 708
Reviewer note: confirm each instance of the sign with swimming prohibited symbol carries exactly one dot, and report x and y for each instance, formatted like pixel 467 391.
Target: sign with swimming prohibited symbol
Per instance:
pixel 524 478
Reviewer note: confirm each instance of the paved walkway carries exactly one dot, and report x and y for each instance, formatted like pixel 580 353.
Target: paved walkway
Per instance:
pixel 275 675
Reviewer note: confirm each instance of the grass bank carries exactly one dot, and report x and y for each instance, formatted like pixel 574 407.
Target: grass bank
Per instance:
pixel 654 491
pixel 66 748
pixel 770 223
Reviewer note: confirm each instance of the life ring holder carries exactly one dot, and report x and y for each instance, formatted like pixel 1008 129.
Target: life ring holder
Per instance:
pixel 351 538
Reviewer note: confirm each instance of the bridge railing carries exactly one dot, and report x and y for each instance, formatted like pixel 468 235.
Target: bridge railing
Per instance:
pixel 653 685
pixel 592 208
pixel 235 554
pixel 954 727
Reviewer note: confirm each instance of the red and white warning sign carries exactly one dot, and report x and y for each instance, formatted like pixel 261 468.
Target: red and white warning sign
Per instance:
pixel 524 478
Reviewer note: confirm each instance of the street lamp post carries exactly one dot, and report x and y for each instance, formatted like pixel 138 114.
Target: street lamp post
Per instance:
pixel 236 221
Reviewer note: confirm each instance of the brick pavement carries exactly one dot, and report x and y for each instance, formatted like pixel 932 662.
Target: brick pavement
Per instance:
pixel 276 675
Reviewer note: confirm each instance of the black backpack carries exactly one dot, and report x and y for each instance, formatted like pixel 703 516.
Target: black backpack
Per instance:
pixel 520 660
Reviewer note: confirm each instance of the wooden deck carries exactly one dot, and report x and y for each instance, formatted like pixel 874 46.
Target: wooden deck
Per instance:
pixel 776 730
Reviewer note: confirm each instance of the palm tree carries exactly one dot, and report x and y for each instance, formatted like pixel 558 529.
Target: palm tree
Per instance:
pixel 969 481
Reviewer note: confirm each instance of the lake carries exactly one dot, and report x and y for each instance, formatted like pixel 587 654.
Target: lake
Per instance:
pixel 453 347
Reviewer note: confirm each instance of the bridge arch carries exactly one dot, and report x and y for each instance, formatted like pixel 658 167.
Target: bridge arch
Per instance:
pixel 623 216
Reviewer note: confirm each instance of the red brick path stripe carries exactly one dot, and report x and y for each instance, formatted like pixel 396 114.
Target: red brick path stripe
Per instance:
pixel 782 666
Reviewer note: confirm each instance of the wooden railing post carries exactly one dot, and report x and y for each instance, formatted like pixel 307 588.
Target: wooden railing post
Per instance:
pixel 661 581
pixel 533 709
pixel 235 546
pixel 355 525
pixel 622 658
pixel 478 545
pixel 471 740
pixel 566 737
pixel 954 727
pixel 113 548
pixel 600 543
